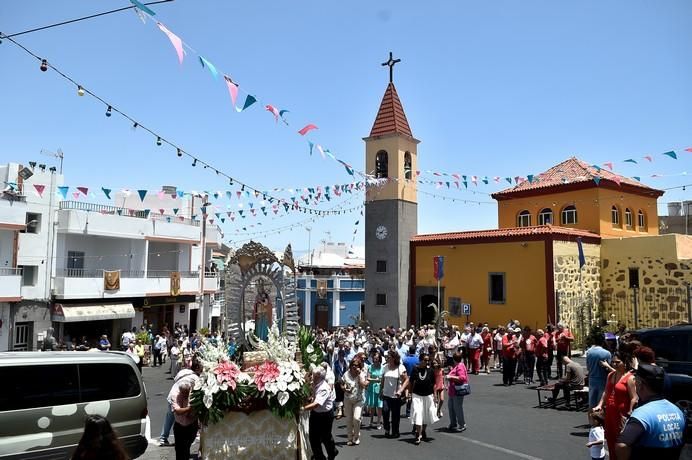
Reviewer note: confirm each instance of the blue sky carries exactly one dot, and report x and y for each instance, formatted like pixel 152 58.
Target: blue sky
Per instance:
pixel 499 88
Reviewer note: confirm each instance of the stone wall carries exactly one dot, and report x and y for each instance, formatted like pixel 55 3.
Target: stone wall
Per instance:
pixel 577 291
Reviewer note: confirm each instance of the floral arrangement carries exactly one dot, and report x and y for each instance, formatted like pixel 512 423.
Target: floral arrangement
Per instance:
pixel 277 382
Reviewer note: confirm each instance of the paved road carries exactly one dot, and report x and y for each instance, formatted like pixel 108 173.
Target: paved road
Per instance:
pixel 504 423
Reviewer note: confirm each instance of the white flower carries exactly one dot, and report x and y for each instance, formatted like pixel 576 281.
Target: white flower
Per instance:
pixel 310 349
pixel 293 386
pixel 198 384
pixel 282 386
pixel 207 399
pixel 283 397
pixel 244 377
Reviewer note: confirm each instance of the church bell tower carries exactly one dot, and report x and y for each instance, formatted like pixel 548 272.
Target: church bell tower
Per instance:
pixel 391 210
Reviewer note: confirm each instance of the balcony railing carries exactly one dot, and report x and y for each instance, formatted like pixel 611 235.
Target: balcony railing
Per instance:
pixel 125 212
pixel 96 273
pixel 6 271
pixel 167 274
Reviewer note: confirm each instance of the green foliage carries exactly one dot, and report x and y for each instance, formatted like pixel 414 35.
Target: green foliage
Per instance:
pixel 223 401
pixel 311 352
pixel 598 328
pixel 143 336
pixel 203 331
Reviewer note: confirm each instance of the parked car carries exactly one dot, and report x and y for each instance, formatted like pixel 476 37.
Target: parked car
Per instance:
pixel 45 398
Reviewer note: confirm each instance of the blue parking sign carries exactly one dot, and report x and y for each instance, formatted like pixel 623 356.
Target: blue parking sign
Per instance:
pixel 466 309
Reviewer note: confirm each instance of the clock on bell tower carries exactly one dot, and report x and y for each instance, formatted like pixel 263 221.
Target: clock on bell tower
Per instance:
pixel 391 210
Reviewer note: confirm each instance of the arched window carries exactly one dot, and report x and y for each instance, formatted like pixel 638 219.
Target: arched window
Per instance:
pixel 615 216
pixel 407 165
pixel 524 219
pixel 381 165
pixel 545 217
pixel 641 221
pixel 628 218
pixel 569 215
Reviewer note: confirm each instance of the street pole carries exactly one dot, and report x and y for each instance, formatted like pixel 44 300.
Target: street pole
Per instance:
pixel 202 272
pixel 309 229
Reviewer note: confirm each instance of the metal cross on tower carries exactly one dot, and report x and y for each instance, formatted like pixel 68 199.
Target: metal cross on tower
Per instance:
pixel 390 62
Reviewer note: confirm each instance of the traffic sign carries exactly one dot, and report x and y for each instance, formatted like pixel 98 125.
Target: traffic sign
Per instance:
pixel 466 309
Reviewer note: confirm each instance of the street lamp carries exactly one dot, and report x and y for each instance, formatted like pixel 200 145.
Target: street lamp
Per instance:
pixel 309 229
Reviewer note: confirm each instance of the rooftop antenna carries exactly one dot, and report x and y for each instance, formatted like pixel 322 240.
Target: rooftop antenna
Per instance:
pixel 59 154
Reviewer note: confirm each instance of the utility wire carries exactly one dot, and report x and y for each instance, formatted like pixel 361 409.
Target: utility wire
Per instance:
pixel 50 26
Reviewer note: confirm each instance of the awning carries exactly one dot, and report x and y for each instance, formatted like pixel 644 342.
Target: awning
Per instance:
pixel 72 313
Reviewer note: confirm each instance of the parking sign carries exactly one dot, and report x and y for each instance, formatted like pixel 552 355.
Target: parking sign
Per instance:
pixel 466 309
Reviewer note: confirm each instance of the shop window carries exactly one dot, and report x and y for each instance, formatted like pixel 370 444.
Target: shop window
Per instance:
pixel 33 223
pixel 381 300
pixel 496 288
pixel 381 266
pixel 615 216
pixel 634 278
pixel 641 221
pixel 545 217
pixel 569 215
pixel 381 165
pixel 628 218
pixel 524 219
pixel 407 166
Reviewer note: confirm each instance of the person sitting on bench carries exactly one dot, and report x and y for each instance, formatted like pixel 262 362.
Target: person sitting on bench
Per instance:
pixel 573 380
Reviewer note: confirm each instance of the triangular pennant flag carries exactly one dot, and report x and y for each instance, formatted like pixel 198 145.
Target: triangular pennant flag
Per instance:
pixel 319 149
pixel 597 179
pixel 39 189
pixel 637 178
pixel 630 160
pixel 162 211
pixel 142 194
pixel 223 221
pixel 530 178
pixel 175 211
pixel 688 149
pixel 180 193
pixel 119 211
pixel 232 89
pixel 175 41
pixel 616 179
pixel 608 165
pixel 249 100
pixel 273 110
pixel 209 66
pixel 75 195
pixel 311 147
pixel 146 213
pixel 84 190
pixel 107 192
pixel 671 154
pixel 649 158
pixel 508 179
pixel 143 7
pixel 62 190
pixel 307 129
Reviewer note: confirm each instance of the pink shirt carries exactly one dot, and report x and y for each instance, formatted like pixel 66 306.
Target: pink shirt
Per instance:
pixel 460 371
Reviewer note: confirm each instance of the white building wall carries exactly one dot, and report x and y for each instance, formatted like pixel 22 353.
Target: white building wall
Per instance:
pixel 6 247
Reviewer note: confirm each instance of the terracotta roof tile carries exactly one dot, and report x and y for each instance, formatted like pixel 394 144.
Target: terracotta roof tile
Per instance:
pixel 505 233
pixel 571 171
pixel 391 117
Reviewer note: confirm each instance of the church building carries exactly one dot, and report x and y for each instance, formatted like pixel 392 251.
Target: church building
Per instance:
pixel 574 244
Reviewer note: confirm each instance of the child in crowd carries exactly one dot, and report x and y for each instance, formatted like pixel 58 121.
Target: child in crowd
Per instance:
pixel 596 436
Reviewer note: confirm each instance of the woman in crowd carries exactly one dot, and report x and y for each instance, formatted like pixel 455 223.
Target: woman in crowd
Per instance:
pixel 438 372
pixel 421 385
pixel 353 383
pixel 372 394
pixel 99 441
pixel 497 349
pixel 139 351
pixel 618 400
pixel 392 391
pixel 340 367
pixel 487 350
pixel 185 426
pixel 457 376
pixel 321 416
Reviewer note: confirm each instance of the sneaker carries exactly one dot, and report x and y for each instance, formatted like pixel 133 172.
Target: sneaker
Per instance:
pixel 164 442
pixel 379 427
pixel 463 428
pixel 357 442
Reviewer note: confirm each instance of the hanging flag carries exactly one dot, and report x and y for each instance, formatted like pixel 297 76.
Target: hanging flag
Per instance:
pixel 107 192
pixel 62 190
pixel 142 194
pixel 582 259
pixel 630 160
pixel 530 178
pixel 75 195
pixel 508 179
pixel 143 7
pixel 438 267
pixel 311 147
pixel 273 110
pixel 608 165
pixel 688 149
pixel 597 179
pixel 637 178
pixel 84 190
pixel 232 89
pixel 175 211
pixel 146 213
pixel 671 154
pixel 39 189
pixel 209 66
pixel 162 211
pixel 648 157
pixel 319 149
pixel 249 100
pixel 307 129
pixel 175 41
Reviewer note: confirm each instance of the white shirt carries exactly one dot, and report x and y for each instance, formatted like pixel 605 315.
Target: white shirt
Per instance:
pixel 392 380
pixel 498 341
pixel 464 338
pixel 596 433
pixel 476 341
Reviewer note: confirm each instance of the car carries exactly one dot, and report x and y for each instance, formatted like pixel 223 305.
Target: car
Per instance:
pixel 45 398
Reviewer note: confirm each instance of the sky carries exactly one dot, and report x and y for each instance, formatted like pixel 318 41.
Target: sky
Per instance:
pixel 501 88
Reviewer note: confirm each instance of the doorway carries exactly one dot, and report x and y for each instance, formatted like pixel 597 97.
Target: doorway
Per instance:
pixel 193 320
pixel 322 315
pixel 428 313
pixel 23 332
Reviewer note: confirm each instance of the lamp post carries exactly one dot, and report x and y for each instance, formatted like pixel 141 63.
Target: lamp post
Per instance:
pixel 202 272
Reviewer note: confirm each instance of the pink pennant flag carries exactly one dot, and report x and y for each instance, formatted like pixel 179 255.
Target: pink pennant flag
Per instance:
pixel 162 211
pixel 84 190
pixel 211 221
pixel 238 193
pixel 474 179
pixel 616 179
pixel 496 179
pixel 319 149
pixel 39 189
pixel 232 88
pixel 75 195
pixel 307 129
pixel 648 157
pixel 175 41
pixel 436 173
pixel 456 182
pixel 688 149
pixel 608 165
pixel 456 176
pixel 273 110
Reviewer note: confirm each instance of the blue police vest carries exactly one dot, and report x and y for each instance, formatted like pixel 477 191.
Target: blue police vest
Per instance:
pixel 664 423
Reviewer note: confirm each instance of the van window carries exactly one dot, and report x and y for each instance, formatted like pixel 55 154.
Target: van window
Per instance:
pixel 102 381
pixel 25 387
pixel 669 347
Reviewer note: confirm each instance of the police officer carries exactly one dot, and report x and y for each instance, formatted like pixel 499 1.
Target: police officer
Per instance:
pixel 656 428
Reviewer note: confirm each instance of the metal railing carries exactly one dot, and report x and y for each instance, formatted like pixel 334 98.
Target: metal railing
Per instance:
pixel 96 273
pixel 167 274
pixel 7 271
pixel 125 212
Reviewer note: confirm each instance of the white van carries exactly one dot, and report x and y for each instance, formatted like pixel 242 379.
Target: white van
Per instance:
pixel 46 396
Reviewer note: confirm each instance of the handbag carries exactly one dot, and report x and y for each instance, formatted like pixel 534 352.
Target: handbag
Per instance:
pixel 462 389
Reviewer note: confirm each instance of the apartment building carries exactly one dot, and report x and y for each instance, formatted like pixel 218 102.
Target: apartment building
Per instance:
pixel 85 268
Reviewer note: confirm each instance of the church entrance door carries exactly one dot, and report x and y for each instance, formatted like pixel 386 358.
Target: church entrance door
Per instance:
pixel 322 315
pixel 428 313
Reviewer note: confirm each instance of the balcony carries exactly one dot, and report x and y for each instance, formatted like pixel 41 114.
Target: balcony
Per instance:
pixel 76 217
pixel 10 284
pixel 73 283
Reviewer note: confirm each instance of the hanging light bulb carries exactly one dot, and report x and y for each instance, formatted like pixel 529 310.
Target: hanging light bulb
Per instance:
pixel 108 111
pixel 194 163
pixel 135 125
pixel 158 141
pixel 180 153
pixel 230 181
pixel 80 91
pixel 44 65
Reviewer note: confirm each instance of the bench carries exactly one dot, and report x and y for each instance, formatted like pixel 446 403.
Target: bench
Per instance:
pixel 549 388
pixel 580 397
